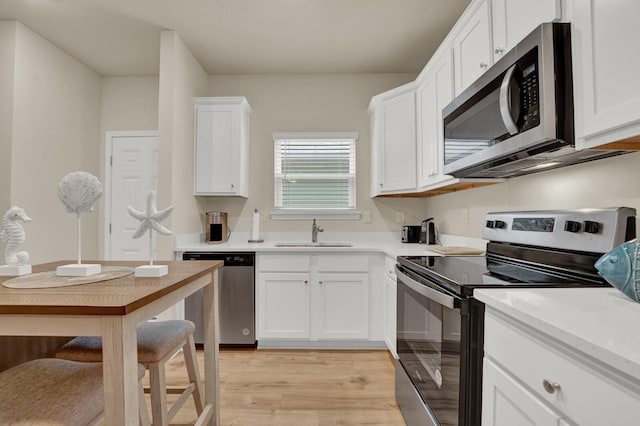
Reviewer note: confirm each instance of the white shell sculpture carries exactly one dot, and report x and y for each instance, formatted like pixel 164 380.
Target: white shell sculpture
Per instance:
pixel 13 236
pixel 79 191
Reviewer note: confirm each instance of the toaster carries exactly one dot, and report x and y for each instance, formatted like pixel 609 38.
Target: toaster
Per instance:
pixel 411 234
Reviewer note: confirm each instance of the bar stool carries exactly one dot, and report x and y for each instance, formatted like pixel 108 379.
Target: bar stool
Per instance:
pixel 157 343
pixel 54 391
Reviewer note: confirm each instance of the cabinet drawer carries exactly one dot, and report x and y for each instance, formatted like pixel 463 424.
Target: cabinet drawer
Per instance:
pixel 589 393
pixel 343 263
pixel 284 263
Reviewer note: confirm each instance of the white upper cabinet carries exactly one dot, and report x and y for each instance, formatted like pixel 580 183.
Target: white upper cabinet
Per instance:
pixel 492 29
pixel 221 152
pixel 606 60
pixel 435 91
pixel 472 47
pixel 512 20
pixel 393 121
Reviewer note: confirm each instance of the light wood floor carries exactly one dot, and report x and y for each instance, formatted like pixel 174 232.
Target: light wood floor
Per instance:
pixel 301 388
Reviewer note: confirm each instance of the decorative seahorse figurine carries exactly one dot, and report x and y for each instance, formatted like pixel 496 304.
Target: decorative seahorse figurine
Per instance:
pixel 13 236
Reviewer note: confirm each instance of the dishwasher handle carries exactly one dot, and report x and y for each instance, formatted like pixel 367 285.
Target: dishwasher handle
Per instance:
pixel 230 259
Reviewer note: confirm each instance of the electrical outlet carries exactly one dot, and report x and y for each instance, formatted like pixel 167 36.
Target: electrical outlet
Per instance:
pixel 400 218
pixel 465 216
pixel 366 217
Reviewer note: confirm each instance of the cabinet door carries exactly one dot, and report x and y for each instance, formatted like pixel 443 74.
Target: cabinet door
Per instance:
pixel 606 60
pixel 221 148
pixel 506 403
pixel 390 334
pixel 397 150
pixel 341 306
pixel 433 95
pixel 283 305
pixel 512 20
pixel 472 49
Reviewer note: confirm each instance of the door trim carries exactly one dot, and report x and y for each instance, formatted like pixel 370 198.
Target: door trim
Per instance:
pixel 109 137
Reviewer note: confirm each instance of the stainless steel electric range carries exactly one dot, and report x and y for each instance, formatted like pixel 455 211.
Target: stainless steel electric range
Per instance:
pixel 440 326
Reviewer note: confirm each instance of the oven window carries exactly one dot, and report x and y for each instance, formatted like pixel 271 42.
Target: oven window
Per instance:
pixel 428 336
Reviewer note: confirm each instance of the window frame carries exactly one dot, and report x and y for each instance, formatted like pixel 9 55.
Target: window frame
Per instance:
pixel 288 213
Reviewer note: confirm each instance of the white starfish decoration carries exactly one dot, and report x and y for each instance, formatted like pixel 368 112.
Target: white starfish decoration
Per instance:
pixel 151 218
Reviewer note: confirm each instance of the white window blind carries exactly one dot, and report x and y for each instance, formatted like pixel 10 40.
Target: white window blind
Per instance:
pixel 315 171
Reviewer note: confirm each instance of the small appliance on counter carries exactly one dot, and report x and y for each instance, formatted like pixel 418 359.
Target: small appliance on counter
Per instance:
pixel 216 229
pixel 428 233
pixel 411 234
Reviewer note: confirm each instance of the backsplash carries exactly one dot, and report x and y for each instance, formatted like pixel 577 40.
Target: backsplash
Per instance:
pixel 603 183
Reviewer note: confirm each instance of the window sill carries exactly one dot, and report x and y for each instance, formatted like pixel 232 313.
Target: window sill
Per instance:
pixel 314 214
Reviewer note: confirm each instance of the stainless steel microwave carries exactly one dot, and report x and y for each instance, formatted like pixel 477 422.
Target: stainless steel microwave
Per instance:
pixel 517 118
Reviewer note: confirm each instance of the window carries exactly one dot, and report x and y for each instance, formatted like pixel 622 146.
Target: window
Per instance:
pixel 315 175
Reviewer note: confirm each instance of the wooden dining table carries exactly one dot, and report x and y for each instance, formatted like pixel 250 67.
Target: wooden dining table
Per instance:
pixel 113 309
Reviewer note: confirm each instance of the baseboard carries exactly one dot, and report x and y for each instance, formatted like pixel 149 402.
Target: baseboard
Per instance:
pixel 322 344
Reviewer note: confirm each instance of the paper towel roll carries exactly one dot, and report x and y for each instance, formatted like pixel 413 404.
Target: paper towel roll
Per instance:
pixel 255 229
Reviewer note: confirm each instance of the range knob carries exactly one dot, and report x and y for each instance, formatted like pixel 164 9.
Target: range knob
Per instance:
pixel 500 224
pixel 591 227
pixel 572 226
pixel 490 224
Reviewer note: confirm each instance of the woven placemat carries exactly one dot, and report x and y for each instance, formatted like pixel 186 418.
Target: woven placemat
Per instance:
pixel 50 279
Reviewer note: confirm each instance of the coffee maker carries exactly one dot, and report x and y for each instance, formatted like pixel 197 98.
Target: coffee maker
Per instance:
pixel 216 229
pixel 428 233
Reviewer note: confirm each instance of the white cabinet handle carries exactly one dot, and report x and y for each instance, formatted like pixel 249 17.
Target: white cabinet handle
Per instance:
pixel 550 386
pixel 499 50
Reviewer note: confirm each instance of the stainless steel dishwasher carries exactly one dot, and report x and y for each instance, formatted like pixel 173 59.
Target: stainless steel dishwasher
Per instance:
pixel 236 299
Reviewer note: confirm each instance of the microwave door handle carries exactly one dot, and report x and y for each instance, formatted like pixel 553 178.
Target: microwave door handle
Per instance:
pixel 435 295
pixel 505 101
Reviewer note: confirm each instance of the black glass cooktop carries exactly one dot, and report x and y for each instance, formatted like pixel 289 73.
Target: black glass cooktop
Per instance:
pixel 461 274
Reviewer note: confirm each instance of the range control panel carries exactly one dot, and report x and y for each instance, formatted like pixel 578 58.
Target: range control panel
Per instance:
pixel 591 230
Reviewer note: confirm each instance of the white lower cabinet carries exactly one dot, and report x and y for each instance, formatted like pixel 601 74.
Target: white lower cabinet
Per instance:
pixel 507 403
pixel 312 297
pixel 283 301
pixel 391 283
pixel 531 378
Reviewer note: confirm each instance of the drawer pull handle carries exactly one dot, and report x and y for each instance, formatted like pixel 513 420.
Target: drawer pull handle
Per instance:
pixel 550 386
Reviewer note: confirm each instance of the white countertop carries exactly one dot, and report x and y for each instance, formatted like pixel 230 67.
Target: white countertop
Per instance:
pixel 601 322
pixel 380 242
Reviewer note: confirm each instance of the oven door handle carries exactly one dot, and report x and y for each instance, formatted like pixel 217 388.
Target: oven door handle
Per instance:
pixel 435 295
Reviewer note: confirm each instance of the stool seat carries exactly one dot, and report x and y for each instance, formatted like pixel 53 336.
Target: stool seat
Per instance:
pixel 155 341
pixel 52 391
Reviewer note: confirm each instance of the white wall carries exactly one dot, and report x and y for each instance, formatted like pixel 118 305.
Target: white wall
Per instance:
pixel 56 130
pixel 181 79
pixel 127 104
pixel 612 182
pixel 306 103
pixel 7 62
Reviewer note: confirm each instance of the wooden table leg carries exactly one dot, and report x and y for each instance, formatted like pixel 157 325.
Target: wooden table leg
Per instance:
pixel 211 343
pixel 120 371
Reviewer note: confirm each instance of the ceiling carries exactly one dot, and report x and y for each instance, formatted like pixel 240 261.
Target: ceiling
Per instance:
pixel 122 37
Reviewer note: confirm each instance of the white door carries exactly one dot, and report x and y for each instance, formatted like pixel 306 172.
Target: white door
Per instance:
pixel 132 171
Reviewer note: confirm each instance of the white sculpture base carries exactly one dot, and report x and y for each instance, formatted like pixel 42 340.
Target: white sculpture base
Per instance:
pixel 78 270
pixel 152 271
pixel 14 271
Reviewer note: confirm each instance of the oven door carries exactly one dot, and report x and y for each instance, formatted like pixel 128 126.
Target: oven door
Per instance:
pixel 429 325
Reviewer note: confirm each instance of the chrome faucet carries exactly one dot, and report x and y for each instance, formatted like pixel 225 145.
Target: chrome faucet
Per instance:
pixel 314 231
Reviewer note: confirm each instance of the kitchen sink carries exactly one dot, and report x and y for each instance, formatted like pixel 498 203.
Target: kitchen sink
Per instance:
pixel 322 244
